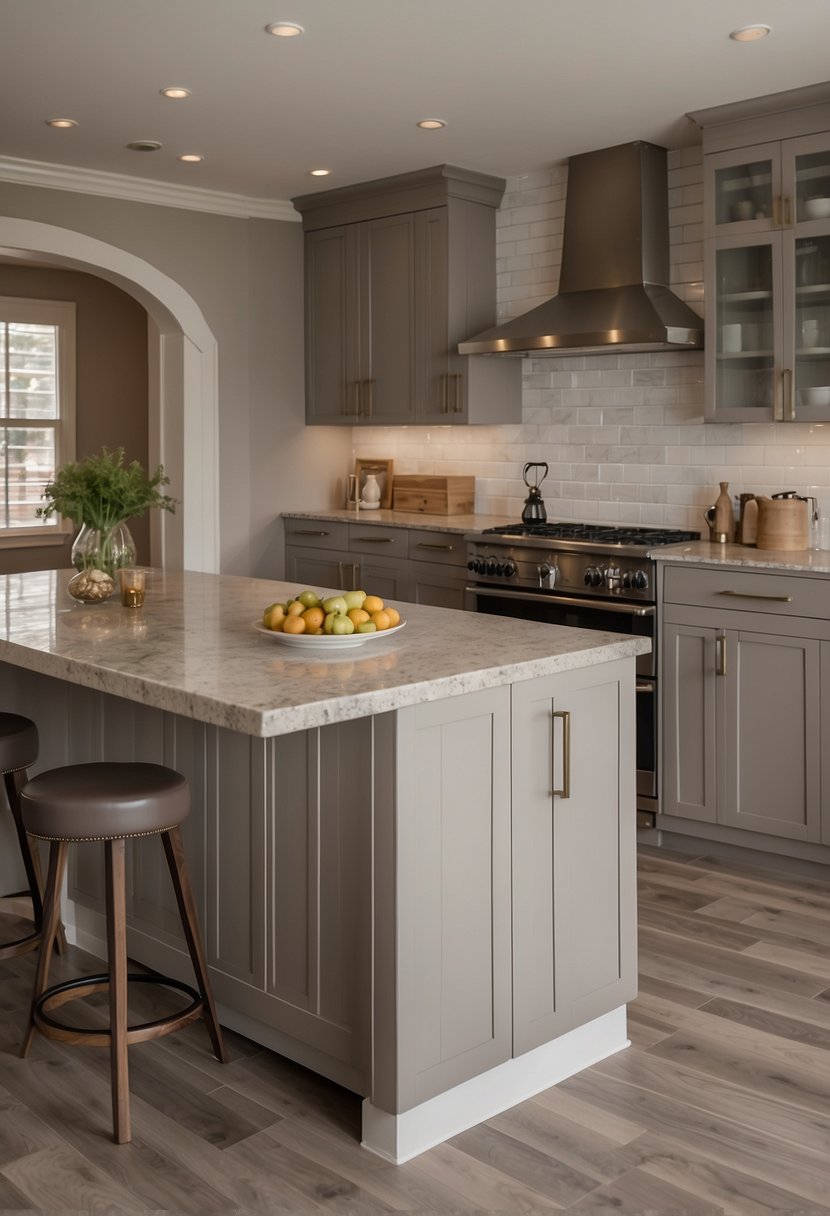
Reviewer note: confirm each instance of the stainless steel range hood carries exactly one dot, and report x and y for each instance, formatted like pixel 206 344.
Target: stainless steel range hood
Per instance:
pixel 615 266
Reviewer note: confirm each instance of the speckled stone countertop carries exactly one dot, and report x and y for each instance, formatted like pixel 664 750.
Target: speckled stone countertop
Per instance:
pixel 747 557
pixel 193 650
pixel 406 519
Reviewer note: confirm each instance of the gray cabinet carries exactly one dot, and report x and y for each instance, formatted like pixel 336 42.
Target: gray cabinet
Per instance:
pixel 742 692
pixel 397 273
pixel 437 568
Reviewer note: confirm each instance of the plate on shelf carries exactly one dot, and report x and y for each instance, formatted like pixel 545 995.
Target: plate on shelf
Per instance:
pixel 741 297
pixel 327 641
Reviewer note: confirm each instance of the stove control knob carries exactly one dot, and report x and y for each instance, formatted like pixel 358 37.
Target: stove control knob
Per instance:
pixel 547 574
pixel 628 579
pixel 472 565
pixel 640 580
pixel 500 569
pixel 592 577
pixel 491 566
pixel 510 568
pixel 613 578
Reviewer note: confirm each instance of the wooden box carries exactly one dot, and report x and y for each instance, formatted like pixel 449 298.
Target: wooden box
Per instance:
pixel 434 495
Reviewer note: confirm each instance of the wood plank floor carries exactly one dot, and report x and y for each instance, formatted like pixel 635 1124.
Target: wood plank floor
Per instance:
pixel 721 1105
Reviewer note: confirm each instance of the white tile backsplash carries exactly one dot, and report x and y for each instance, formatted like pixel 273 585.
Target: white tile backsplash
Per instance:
pixel 623 434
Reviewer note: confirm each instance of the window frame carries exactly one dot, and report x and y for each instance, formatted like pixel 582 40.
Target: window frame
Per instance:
pixel 61 314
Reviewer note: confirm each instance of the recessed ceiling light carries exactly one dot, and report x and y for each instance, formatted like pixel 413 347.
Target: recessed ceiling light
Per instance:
pixel 144 145
pixel 284 29
pixel 61 123
pixel 431 124
pixel 191 158
pixel 750 33
pixel 320 172
pixel 175 92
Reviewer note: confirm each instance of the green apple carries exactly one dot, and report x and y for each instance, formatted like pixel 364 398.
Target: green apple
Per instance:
pixel 335 603
pixel 367 627
pixel 310 598
pixel 342 624
pixel 329 621
pixel 354 599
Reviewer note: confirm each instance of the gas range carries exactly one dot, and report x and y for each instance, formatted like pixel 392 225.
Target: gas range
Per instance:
pixel 602 560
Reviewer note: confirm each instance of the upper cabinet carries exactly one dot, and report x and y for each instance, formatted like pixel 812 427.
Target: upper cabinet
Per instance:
pixel 397 273
pixel 767 263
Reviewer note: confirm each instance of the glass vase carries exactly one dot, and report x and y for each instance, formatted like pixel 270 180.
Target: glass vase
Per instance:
pixel 97 555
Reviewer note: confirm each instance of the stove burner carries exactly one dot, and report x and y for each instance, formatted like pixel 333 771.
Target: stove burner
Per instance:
pixel 599 534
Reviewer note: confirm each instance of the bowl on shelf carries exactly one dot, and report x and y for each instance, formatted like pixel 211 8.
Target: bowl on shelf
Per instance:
pixel 817 208
pixel 819 395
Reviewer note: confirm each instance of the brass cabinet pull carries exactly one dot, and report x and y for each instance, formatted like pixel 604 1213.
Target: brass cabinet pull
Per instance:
pixel 644 686
pixel 776 210
pixel 788 402
pixel 375 540
pixel 564 714
pixel 370 397
pixel 749 595
pixel 720 655
pixel 787 212
pixel 341 566
pixel 308 532
pixel 458 406
pixel 422 544
pixel 355 384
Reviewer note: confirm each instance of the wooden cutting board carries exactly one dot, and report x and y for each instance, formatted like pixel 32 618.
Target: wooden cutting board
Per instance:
pixel 434 495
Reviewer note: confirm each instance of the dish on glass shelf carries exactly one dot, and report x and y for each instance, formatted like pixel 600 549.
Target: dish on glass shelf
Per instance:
pixel 819 395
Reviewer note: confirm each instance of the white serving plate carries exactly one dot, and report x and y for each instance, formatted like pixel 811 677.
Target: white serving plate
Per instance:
pixel 327 641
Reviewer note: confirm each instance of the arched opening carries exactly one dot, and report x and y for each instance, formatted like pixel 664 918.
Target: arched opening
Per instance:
pixel 183 403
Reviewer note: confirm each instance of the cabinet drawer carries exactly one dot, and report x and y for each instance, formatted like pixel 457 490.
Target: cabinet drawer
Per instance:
pixel 374 539
pixel 777 594
pixel 428 546
pixel 317 533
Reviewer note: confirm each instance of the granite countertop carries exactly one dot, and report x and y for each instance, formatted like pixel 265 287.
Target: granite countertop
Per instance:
pixel 405 519
pixel 193 650
pixel 805 561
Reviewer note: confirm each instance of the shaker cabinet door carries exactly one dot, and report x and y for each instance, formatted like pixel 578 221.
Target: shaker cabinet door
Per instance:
pixel 331 317
pixel 387 302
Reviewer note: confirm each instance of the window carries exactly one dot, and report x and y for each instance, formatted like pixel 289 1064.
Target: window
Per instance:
pixel 37 410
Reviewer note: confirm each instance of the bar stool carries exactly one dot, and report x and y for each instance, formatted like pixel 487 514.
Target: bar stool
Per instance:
pixel 114 802
pixel 18 751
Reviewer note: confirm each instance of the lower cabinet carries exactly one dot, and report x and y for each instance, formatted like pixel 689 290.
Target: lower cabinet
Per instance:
pixel 742 698
pixel 516 898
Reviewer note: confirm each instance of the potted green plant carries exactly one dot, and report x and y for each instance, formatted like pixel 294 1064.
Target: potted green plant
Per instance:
pixel 99 494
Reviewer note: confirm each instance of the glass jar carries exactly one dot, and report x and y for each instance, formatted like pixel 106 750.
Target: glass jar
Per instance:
pixel 97 555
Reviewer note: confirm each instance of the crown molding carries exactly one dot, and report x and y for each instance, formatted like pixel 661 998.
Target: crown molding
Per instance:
pixel 142 190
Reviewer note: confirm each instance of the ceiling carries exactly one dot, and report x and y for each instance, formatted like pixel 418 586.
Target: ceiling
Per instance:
pixel 521 85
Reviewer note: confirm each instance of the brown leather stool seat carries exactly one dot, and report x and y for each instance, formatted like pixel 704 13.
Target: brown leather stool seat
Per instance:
pixel 114 802
pixel 18 751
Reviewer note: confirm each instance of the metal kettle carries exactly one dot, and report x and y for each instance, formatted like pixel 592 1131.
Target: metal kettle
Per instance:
pixel 534 511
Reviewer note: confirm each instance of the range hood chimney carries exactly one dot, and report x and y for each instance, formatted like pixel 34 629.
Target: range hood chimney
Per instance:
pixel 613 296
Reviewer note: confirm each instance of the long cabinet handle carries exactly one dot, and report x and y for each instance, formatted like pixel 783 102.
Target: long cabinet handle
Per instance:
pixel 749 595
pixel 720 654
pixel 368 406
pixel 458 408
pixel 645 686
pixel 375 540
pixel 568 601
pixel 564 714
pixel 788 403
pixel 776 211
pixel 308 532
pixel 354 387
pixel 341 567
pixel 423 544
pixel 787 211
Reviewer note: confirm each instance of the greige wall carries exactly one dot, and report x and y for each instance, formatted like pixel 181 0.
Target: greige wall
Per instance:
pixel 111 382
pixel 246 277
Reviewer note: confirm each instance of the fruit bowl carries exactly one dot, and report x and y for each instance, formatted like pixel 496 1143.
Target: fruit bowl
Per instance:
pixel 322 642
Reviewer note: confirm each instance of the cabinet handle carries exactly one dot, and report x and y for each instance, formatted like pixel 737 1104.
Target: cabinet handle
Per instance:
pixel 645 686
pixel 787 212
pixel 308 532
pixel 720 655
pixel 445 404
pixel 341 566
pixel 457 407
pixel 375 540
pixel 748 595
pixel 355 385
pixel 369 403
pixel 422 544
pixel 564 714
pixel 776 210
pixel 788 402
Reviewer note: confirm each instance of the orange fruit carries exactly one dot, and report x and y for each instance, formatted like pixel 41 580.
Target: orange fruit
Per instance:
pixel 294 624
pixel 313 618
pixel 381 620
pixel 358 616
pixel 394 617
pixel 372 603
pixel 314 631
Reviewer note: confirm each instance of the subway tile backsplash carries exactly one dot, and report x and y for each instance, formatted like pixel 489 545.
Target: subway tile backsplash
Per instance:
pixel 623 435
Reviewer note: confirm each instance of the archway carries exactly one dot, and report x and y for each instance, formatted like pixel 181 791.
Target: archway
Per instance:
pixel 183 405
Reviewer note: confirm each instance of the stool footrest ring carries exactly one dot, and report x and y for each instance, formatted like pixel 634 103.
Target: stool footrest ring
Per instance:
pixel 72 990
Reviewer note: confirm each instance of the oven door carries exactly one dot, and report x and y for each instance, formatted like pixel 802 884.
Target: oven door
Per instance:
pixel 581 612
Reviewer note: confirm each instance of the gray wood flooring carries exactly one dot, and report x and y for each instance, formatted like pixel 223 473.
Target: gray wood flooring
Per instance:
pixel 721 1105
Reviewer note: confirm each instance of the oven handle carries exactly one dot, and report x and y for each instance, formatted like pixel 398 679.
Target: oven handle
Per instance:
pixel 567 600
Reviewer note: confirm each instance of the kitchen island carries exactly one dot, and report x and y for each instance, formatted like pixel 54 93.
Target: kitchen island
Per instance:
pixel 414 860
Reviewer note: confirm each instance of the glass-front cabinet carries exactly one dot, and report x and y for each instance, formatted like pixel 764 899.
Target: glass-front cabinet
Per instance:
pixel 768 274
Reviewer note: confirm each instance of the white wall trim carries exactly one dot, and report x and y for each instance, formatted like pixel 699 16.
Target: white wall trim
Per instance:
pixel 142 190
pixel 184 402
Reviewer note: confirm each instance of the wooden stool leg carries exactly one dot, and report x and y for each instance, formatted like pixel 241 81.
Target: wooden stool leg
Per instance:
pixel 30 855
pixel 115 854
pixel 174 852
pixel 52 913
